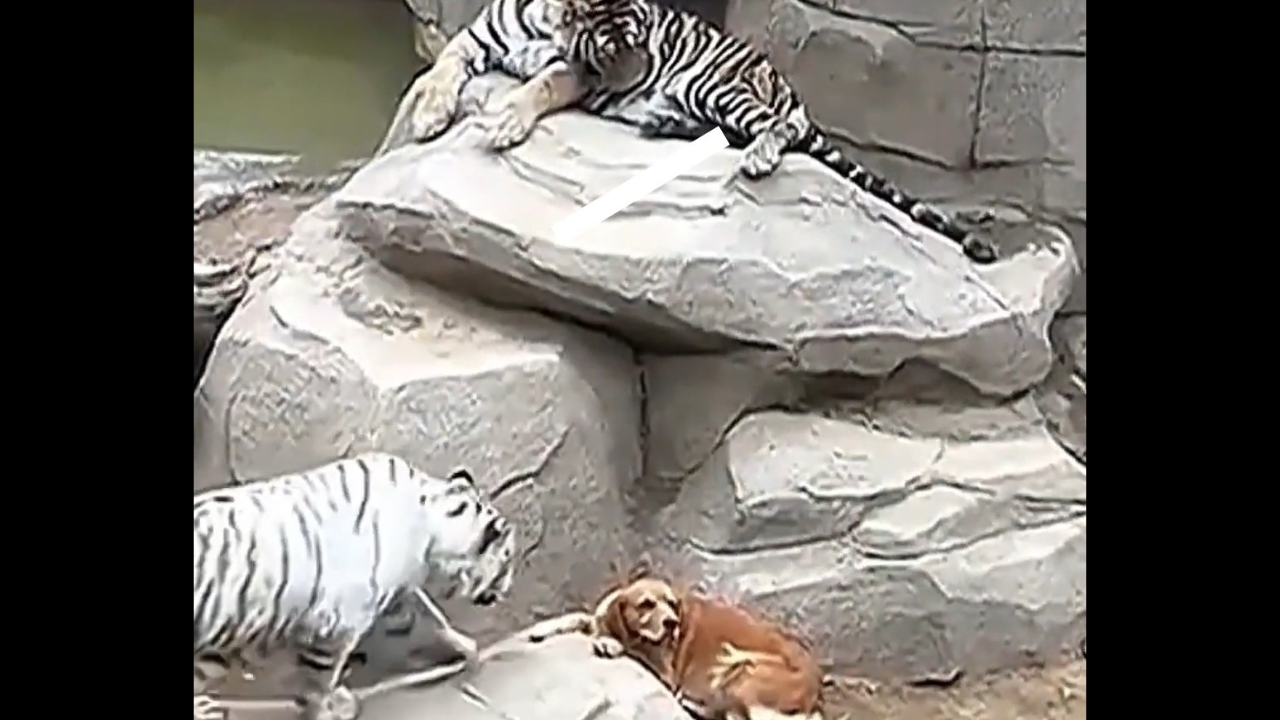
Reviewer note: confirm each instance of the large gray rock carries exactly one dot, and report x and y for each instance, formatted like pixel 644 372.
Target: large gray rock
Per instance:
pixel 913 530
pixel 331 353
pixel 803 265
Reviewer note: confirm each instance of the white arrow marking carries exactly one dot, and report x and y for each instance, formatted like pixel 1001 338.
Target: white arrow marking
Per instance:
pixel 650 179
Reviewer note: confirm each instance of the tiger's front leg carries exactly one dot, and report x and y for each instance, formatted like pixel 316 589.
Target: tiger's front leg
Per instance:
pixel 210 671
pixel 763 154
pixel 323 672
pixel 440 88
pixel 742 114
pixel 463 644
pixel 431 102
pixel 510 123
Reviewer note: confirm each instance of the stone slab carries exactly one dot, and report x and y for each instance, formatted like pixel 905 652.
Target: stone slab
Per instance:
pixel 1034 112
pixel 900 554
pixel 803 264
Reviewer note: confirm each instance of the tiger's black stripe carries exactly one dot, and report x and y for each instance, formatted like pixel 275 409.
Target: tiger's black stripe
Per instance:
pixel 694 77
pixel 703 78
pixel 302 566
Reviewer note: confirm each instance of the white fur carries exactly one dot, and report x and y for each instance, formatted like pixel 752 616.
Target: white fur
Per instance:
pixel 334 547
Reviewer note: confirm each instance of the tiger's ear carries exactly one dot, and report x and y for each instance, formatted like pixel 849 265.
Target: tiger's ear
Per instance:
pixel 462 474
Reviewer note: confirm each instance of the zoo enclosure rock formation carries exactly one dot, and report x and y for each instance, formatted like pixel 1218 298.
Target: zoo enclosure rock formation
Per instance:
pixel 814 419
pixel 976 104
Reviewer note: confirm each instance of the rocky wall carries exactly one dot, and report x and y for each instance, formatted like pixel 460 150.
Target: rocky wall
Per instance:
pixel 967 102
pixel 783 389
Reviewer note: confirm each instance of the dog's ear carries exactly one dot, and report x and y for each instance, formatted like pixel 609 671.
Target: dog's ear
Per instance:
pixel 462 474
pixel 615 619
pixel 643 568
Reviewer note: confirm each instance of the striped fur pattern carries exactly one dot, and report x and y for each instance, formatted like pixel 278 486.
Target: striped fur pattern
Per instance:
pixel 665 71
pixel 301 566
pixel 695 77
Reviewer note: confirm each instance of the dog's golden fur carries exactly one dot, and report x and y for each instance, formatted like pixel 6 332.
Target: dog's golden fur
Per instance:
pixel 721 660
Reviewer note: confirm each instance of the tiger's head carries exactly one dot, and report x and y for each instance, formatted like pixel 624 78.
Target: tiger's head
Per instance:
pixel 593 32
pixel 472 551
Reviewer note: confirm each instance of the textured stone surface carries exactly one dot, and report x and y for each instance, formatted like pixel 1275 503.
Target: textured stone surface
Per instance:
pixel 1071 332
pixel 958 100
pixel 707 261
pixel 218 289
pixel 1043 26
pixel 222 177
pixel 1040 120
pixel 555 680
pixel 1062 396
pixel 888 519
pixel 912 93
pixel 244 205
pixel 906 540
pixel 332 353
pixel 559 679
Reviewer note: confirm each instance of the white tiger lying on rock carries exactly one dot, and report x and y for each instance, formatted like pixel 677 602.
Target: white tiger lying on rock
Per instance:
pixel 303 565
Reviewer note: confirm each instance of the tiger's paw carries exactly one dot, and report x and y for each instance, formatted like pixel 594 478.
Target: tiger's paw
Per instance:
pixel 206 708
pixel 761 157
pixel 607 647
pixel 435 105
pixel 979 250
pixel 507 125
pixel 340 704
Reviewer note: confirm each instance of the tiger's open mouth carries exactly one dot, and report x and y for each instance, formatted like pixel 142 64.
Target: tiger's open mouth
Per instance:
pixel 486 598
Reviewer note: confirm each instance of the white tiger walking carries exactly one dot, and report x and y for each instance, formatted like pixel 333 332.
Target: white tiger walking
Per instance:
pixel 304 564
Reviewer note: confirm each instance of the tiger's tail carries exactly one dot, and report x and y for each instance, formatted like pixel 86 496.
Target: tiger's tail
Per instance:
pixel 818 146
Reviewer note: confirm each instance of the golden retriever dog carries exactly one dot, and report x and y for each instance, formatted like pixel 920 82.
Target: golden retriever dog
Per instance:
pixel 720 660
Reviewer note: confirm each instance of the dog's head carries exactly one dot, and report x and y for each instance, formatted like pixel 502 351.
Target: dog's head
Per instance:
pixel 645 611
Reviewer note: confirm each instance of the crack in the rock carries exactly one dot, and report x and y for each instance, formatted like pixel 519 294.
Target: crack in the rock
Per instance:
pixel 866 504
pixel 642 390
pixel 520 478
pixel 872 553
pixel 741 415
pixel 906 153
pixel 294 331
pixel 856 510
pixel 980 98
